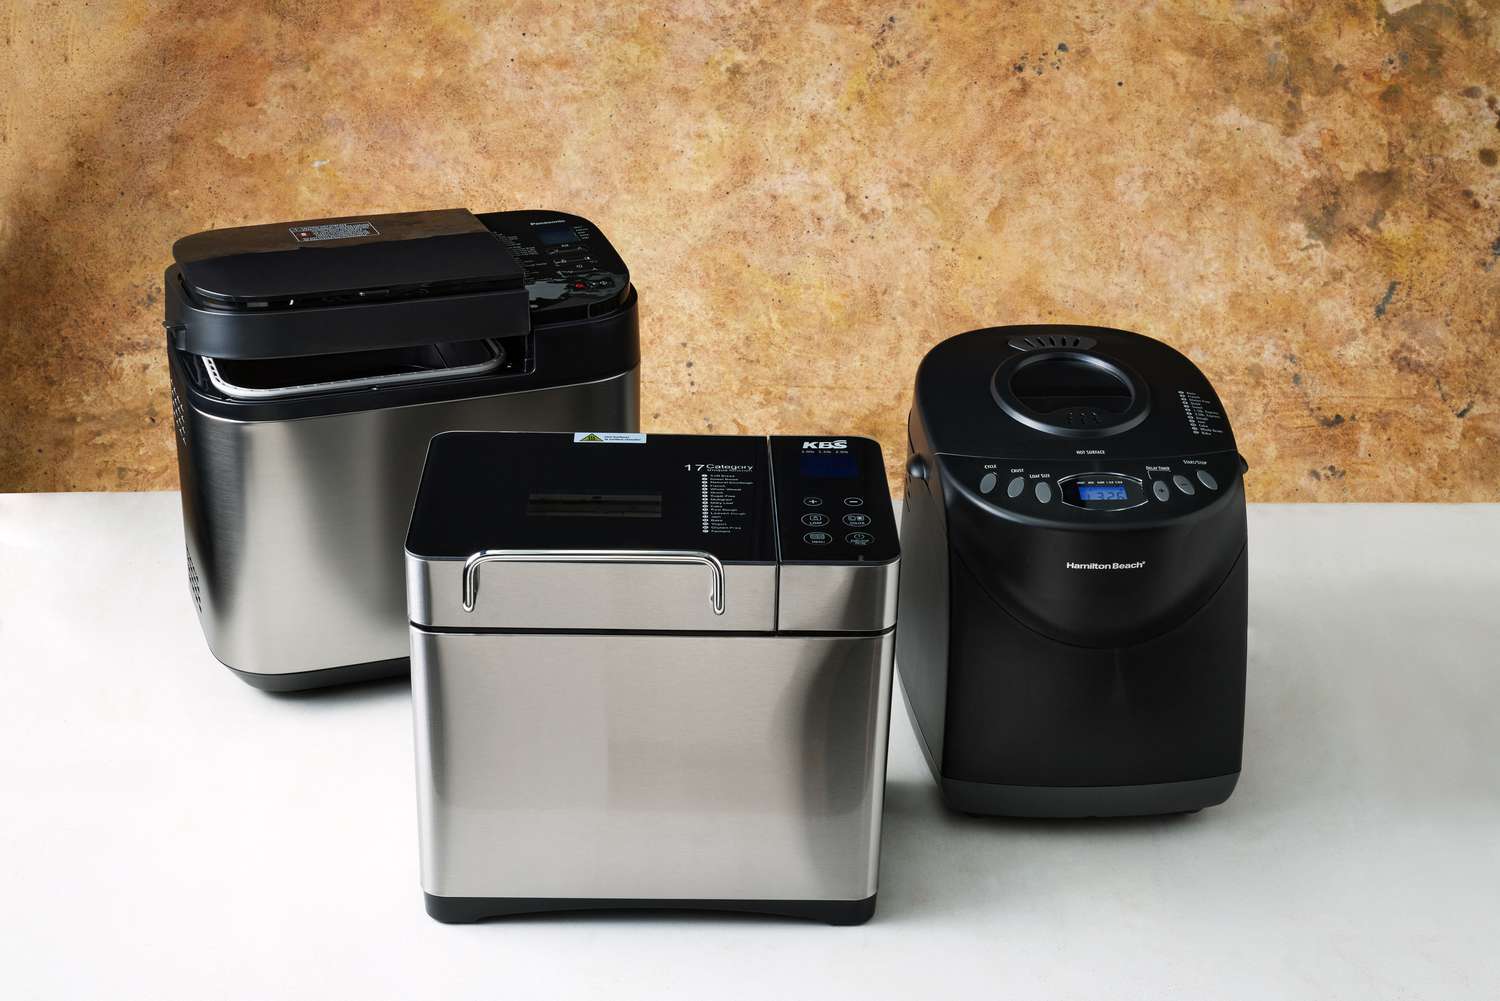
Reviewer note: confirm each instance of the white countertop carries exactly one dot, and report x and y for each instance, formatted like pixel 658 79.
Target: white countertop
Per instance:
pixel 169 832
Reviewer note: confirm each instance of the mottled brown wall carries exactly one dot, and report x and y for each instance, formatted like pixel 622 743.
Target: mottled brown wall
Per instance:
pixel 1302 197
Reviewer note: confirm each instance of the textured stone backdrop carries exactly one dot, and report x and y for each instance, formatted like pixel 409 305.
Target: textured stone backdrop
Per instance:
pixel 1301 196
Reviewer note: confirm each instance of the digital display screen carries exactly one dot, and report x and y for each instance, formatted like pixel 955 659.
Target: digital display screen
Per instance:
pixel 1101 492
pixel 559 505
pixel 550 234
pixel 829 466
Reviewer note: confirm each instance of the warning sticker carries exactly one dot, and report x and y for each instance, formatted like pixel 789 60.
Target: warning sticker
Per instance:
pixel 609 437
pixel 333 231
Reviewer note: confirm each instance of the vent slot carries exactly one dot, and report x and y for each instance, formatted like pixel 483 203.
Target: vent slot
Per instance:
pixel 1039 342
pixel 193 588
pixel 179 419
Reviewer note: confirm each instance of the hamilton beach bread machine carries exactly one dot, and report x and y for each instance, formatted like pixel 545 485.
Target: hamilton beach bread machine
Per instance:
pixel 311 364
pixel 1074 588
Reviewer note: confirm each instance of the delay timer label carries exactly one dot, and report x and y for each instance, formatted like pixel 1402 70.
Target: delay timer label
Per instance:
pixel 333 231
pixel 724 491
pixel 1202 416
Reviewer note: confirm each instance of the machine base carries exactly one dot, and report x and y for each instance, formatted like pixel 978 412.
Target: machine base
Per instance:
pixel 1087 801
pixel 301 681
pixel 465 910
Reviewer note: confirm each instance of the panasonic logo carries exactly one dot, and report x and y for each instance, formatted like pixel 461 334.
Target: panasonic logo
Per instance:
pixel 837 443
pixel 1139 564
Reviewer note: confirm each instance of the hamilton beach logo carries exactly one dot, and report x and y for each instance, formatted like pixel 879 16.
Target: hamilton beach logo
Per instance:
pixel 1138 565
pixel 837 443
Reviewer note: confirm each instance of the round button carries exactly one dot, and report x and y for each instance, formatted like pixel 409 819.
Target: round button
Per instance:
pixel 812 502
pixel 916 468
pixel 815 520
pixel 859 538
pixel 1043 491
pixel 1160 489
pixel 856 520
pixel 817 538
pixel 854 502
pixel 1184 484
pixel 1015 486
pixel 986 483
pixel 1207 479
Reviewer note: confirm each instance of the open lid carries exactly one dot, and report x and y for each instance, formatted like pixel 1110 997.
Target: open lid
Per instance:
pixel 357 283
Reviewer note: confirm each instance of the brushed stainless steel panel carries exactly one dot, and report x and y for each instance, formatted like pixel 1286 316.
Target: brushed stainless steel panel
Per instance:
pixel 838 598
pixel 740 767
pixel 296 527
pixel 592 596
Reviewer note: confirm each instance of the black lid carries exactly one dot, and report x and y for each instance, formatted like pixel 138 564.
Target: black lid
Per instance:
pixel 355 283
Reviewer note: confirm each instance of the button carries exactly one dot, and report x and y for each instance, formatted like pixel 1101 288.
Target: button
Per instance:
pixel 856 520
pixel 916 468
pixel 854 502
pixel 986 483
pixel 859 538
pixel 1207 479
pixel 1184 484
pixel 815 520
pixel 812 502
pixel 600 282
pixel 817 538
pixel 578 286
pixel 1160 489
pixel 1043 491
pixel 1015 486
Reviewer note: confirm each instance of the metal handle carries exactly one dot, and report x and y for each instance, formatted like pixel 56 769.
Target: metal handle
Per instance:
pixel 648 556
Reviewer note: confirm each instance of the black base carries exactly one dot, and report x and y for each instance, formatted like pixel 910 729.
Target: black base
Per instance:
pixel 301 681
pixel 984 799
pixel 465 910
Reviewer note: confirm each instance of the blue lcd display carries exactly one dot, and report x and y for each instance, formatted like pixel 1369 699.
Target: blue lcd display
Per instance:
pixel 550 234
pixel 829 466
pixel 1108 492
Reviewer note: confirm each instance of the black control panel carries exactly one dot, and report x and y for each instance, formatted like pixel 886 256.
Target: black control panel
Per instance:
pixel 568 265
pixel 1099 491
pixel 832 501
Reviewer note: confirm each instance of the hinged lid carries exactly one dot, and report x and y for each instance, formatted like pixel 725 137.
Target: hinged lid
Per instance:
pixel 355 283
pixel 629 532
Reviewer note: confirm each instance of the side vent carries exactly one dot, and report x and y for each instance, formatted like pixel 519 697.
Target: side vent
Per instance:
pixel 193 584
pixel 179 419
pixel 1037 342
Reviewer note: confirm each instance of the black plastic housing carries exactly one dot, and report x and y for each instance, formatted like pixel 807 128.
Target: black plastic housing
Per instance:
pixel 1062 658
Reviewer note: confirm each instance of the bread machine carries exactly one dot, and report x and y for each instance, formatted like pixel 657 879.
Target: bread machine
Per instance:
pixel 311 363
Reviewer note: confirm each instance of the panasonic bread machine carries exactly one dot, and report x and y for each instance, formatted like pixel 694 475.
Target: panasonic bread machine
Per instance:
pixel 311 362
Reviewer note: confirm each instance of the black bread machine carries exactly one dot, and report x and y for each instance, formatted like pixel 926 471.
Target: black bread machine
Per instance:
pixel 1074 598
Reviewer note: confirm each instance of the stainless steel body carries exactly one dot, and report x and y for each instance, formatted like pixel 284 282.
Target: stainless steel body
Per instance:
pixel 294 527
pixel 651 766
pixel 651 673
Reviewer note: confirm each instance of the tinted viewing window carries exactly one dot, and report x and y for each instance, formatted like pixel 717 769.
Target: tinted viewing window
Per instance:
pixel 1055 383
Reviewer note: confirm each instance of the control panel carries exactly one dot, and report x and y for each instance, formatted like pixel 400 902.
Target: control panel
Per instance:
pixel 1086 492
pixel 568 265
pixel 832 501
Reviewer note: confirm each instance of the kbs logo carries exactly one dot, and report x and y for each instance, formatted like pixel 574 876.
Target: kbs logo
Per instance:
pixel 836 443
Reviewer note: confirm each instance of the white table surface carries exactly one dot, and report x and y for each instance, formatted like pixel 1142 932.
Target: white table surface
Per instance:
pixel 169 832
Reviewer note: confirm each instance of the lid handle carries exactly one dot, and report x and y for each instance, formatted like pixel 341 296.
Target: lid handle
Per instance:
pixel 638 556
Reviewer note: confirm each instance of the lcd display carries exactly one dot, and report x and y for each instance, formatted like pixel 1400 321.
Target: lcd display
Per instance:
pixel 550 234
pixel 558 505
pixel 1101 492
pixel 829 466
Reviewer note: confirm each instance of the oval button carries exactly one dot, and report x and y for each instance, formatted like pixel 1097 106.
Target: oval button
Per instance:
pixel 817 538
pixel 1015 486
pixel 1043 491
pixel 1184 484
pixel 1207 479
pixel 1160 489
pixel 987 483
pixel 815 520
